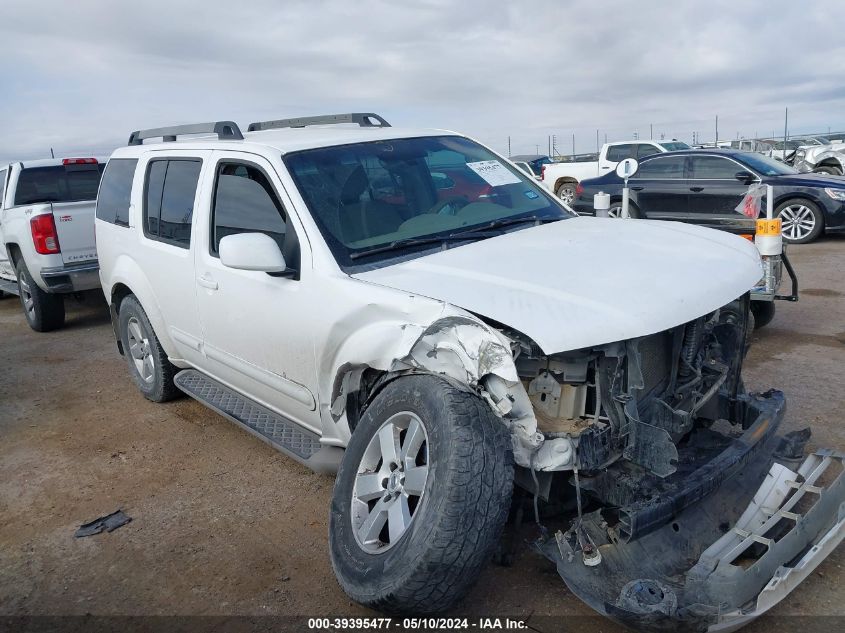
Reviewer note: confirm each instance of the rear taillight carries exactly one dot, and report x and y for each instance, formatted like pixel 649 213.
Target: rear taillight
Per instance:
pixel 79 161
pixel 542 172
pixel 579 189
pixel 44 235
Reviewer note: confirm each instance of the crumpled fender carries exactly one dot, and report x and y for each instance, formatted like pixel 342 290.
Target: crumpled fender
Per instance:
pixel 453 343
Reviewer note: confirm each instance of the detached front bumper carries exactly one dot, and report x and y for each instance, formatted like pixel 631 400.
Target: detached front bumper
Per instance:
pixel 71 278
pixel 744 529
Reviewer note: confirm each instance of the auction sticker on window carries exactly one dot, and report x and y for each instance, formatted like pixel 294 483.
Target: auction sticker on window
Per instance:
pixel 494 172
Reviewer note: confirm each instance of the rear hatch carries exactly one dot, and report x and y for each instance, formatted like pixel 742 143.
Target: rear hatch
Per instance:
pixel 69 191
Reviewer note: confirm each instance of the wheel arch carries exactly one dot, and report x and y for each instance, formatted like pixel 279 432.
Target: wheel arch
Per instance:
pixel 460 349
pixel 561 180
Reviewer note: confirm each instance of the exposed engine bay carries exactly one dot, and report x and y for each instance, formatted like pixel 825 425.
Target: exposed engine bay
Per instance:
pixel 661 519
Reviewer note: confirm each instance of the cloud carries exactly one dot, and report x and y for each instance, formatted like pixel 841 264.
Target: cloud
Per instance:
pixel 80 76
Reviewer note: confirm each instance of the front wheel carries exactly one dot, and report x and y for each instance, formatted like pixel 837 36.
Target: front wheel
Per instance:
pixel 802 221
pixel 44 311
pixel 764 312
pixel 421 497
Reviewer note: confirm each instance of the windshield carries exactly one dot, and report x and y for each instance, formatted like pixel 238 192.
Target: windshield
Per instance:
pixel 71 183
pixel 389 197
pixel 674 146
pixel 765 165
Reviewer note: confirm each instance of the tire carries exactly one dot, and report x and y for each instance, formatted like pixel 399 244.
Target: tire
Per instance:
pixel 615 210
pixel 566 192
pixel 828 169
pixel 764 312
pixel 44 311
pixel 455 523
pixel 802 220
pixel 148 364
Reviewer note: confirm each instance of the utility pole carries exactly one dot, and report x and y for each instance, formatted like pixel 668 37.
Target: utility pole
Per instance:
pixel 554 145
pixel 650 130
pixel 509 146
pixel 573 145
pixel 785 127
pixel 598 149
pixel 538 149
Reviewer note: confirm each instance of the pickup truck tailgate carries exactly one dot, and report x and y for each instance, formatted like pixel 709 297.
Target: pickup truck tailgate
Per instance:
pixel 75 228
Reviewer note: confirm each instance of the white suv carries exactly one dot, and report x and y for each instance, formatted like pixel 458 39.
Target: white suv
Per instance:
pixel 47 234
pixel 409 309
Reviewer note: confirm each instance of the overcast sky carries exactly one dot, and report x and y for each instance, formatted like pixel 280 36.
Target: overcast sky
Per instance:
pixel 79 76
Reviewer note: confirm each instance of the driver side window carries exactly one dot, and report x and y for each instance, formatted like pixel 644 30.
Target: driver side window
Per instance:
pixel 245 202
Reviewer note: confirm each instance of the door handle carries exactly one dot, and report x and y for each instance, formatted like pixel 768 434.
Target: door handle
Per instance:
pixel 696 189
pixel 640 188
pixel 207 282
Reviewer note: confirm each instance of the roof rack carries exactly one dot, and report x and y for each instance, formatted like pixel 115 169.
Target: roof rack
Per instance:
pixel 225 130
pixel 364 119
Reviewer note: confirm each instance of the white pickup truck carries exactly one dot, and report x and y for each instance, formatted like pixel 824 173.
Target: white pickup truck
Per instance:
pixel 563 177
pixel 47 245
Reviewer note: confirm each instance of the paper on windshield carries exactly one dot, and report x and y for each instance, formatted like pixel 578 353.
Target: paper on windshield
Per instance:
pixel 494 173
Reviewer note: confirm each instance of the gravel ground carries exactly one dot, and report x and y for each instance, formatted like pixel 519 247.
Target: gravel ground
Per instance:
pixel 224 525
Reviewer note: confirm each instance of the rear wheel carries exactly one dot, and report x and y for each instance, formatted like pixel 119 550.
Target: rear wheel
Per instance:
pixel 828 169
pixel 43 311
pixel 421 497
pixel 802 221
pixel 566 192
pixel 148 364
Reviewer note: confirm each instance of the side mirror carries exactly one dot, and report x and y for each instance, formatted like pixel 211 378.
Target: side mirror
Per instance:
pixel 252 251
pixel 745 177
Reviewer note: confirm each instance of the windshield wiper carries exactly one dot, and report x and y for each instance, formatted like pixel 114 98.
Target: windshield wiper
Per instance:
pixel 482 230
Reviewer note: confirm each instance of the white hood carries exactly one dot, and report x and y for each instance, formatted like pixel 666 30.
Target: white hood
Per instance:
pixel 585 281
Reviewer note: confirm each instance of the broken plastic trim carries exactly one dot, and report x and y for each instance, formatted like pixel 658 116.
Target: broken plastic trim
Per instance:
pixel 751 544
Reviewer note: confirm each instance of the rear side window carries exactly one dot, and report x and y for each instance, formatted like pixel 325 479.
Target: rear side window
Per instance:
pixel 115 191
pixel 2 187
pixel 617 153
pixel 244 202
pixel 169 200
pixel 646 149
pixel 60 183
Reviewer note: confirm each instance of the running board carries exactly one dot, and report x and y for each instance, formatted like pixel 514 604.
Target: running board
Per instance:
pixel 9 286
pixel 279 432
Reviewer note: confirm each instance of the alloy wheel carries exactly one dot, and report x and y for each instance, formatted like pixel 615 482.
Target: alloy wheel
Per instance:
pixel 390 482
pixel 798 221
pixel 139 350
pixel 26 297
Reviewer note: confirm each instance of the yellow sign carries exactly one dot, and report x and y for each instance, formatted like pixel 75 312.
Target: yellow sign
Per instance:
pixel 768 227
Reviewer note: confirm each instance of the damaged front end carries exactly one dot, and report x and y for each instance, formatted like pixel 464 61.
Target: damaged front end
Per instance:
pixel 687 510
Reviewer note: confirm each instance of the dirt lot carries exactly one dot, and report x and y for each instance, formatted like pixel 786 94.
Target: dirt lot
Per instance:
pixel 223 524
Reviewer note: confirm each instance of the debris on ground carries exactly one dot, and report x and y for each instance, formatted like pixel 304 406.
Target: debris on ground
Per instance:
pixel 107 523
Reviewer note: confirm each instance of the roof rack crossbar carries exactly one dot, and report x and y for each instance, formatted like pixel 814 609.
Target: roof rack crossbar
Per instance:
pixel 225 130
pixel 363 119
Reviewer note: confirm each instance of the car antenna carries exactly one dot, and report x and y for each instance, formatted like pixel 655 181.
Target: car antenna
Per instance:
pixel 52 155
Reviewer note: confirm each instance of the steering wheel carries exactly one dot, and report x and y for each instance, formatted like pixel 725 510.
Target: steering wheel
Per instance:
pixel 449 206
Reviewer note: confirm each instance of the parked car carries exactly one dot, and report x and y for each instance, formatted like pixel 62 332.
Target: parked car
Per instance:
pixel 535 162
pixel 437 349
pixel 700 185
pixel 47 245
pixel 822 159
pixel 525 167
pixel 563 177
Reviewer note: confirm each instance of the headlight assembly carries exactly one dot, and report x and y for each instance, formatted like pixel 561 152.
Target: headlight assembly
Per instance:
pixel 836 194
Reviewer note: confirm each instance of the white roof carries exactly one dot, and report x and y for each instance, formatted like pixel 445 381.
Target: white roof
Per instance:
pixel 288 140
